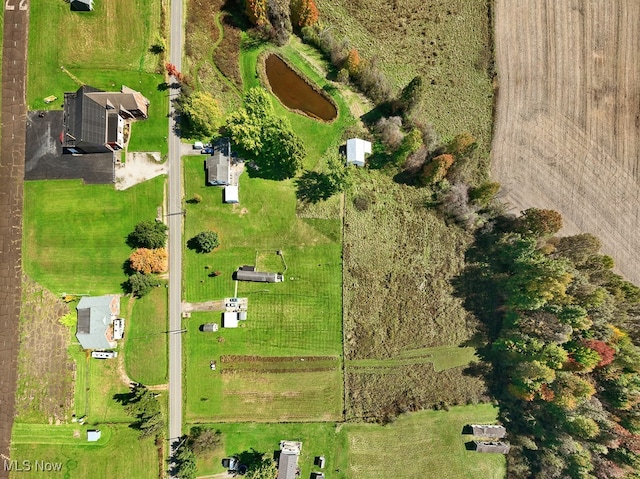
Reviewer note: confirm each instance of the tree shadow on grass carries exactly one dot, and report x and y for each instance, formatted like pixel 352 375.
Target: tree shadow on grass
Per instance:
pixel 312 187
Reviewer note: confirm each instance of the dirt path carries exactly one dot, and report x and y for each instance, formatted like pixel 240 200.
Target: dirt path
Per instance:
pixel 567 130
pixel 205 306
pixel 12 154
pixel 139 167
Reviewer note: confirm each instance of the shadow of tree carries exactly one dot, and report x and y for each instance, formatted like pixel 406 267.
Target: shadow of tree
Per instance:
pixel 313 187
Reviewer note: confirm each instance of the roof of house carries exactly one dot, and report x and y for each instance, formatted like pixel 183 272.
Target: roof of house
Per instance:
pixel 356 149
pixel 287 465
pixel 95 315
pixel 218 168
pixel 488 430
pixel 495 447
pixel 91 116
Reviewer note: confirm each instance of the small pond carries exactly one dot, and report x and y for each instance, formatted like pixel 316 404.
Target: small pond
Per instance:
pixel 294 92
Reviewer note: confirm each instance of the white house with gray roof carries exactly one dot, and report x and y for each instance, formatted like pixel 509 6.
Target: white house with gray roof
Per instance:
pixel 95 321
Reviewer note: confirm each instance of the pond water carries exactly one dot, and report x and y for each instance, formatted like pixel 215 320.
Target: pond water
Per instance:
pixel 294 92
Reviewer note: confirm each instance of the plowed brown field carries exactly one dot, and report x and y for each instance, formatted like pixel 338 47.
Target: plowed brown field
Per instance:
pixel 567 128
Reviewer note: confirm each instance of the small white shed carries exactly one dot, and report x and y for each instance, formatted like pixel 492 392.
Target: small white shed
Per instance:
pixel 230 319
pixel 356 151
pixel 93 435
pixel 231 194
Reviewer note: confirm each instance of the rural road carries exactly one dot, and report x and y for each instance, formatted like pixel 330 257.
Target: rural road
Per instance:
pixel 12 147
pixel 174 217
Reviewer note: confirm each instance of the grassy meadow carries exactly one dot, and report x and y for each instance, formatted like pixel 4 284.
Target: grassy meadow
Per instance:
pixel 111 456
pixel 146 339
pixel 447 42
pixel 300 317
pixel 105 48
pixel 74 234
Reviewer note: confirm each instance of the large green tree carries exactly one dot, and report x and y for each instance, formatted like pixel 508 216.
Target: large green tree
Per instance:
pixel 148 234
pixel 268 140
pixel 145 407
pixel 205 241
pixel 201 114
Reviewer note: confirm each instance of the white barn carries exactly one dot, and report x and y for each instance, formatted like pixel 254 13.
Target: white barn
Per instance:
pixel 356 151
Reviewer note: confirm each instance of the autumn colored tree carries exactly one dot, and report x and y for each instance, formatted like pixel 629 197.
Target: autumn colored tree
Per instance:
pixel 172 70
pixel 539 222
pixel 304 13
pixel 353 63
pixel 435 171
pixel 462 144
pixel 606 352
pixel 146 261
pixel 257 12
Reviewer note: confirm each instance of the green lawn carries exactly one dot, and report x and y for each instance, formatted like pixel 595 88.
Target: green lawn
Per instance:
pixel 74 234
pixel 111 456
pixel 105 48
pixel 298 317
pixel 317 439
pixel 427 442
pixel 145 345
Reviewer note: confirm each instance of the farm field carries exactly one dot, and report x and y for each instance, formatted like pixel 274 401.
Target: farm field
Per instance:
pixel 299 318
pixel 447 42
pixel 145 342
pixel 74 234
pixel 105 48
pixel 111 456
pixel 566 132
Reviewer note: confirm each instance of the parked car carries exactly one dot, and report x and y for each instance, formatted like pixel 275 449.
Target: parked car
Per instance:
pixel 198 145
pixel 206 151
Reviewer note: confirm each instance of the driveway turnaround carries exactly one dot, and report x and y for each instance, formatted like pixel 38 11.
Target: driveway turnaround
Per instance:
pixel 12 138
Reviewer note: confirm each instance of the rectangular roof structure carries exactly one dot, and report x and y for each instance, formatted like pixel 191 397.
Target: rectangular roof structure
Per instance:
pixel 258 276
pixel 488 430
pixel 93 435
pixel 231 194
pixel 492 447
pixel 95 316
pixel 82 5
pixel 287 466
pixel 356 150
pixel 229 319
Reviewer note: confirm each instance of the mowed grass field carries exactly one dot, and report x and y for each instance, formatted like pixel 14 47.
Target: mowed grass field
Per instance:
pixel 146 338
pixel 422 444
pixel 111 456
pixel 447 42
pixel 300 317
pixel 105 48
pixel 74 234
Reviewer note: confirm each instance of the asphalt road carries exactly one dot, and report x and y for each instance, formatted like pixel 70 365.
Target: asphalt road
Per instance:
pixel 12 143
pixel 175 241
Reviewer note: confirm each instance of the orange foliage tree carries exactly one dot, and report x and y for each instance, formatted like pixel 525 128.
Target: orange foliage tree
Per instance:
pixel 353 62
pixel 257 12
pixel 437 169
pixel 148 261
pixel 304 13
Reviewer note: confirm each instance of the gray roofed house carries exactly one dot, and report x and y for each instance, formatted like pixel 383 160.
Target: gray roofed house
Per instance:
pixel 218 164
pixel 244 274
pixel 288 461
pixel 94 120
pixel 492 447
pixel 95 317
pixel 81 5
pixel 488 430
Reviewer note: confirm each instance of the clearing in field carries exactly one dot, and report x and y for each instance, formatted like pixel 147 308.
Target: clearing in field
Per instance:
pixel 105 48
pixel 296 320
pixel 74 234
pixel 567 135
pixel 436 439
pixel 403 324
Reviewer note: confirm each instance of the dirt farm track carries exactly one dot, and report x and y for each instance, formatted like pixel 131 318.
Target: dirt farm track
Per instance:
pixel 567 131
